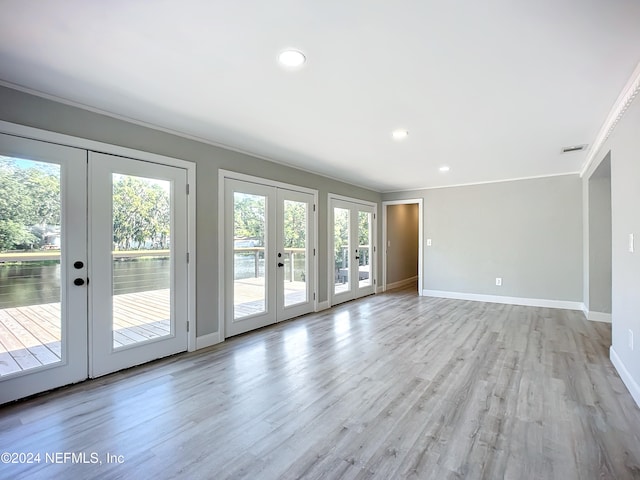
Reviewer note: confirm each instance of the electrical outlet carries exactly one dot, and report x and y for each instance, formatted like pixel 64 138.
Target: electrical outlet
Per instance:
pixel 630 339
pixel 499 281
pixel 428 242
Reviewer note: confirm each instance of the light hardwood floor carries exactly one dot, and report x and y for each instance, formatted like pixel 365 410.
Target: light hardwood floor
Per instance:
pixel 391 386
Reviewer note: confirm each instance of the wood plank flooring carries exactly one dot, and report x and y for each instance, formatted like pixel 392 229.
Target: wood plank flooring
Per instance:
pixel 390 386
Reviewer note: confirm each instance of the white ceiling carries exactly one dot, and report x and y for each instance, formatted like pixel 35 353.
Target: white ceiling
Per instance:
pixel 493 89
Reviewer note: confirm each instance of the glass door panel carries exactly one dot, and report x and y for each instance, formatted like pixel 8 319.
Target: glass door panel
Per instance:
pixel 249 269
pixel 43 321
pixel 341 250
pixel 295 241
pixel 141 259
pixel 30 235
pixel 296 270
pixel 139 262
pixel 365 252
pixel 364 249
pixel 249 240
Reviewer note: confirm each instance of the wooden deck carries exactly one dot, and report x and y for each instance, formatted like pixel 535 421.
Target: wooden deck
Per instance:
pixel 249 295
pixel 30 336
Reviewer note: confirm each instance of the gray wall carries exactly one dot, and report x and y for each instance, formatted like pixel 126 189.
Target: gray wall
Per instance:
pixel 624 147
pixel 21 108
pixel 599 207
pixel 402 242
pixel 529 232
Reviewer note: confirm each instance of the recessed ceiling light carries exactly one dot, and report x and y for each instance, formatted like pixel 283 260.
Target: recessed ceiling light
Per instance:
pixel 444 168
pixel 291 58
pixel 399 134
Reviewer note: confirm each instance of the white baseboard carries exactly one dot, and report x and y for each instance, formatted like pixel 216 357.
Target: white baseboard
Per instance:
pixel 627 379
pixel 402 283
pixel 599 317
pixel 381 289
pixel 529 302
pixel 322 306
pixel 207 340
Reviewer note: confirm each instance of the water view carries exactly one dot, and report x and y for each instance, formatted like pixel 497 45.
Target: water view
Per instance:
pixel 35 283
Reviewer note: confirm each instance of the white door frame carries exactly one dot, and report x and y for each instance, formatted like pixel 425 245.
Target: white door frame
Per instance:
pixel 374 242
pixel 104 358
pixel 73 365
pixel 284 312
pixel 92 145
pixel 229 174
pixel 420 238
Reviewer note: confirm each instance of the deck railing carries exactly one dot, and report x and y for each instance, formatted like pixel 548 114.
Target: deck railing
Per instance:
pixel 258 262
pixel 33 278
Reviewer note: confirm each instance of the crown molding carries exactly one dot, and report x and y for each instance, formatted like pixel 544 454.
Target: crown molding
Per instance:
pixel 626 97
pixel 486 182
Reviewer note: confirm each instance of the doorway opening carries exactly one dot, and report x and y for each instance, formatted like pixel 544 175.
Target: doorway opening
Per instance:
pixel 402 239
pixel 599 287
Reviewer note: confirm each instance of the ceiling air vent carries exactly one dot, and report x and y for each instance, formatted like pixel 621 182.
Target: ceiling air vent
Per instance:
pixel 574 148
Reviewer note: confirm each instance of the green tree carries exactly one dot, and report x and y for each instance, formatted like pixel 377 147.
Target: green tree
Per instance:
pixel 341 237
pixel 249 217
pixel 364 240
pixel 29 196
pixel 30 205
pixel 14 234
pixel 44 191
pixel 295 224
pixel 141 213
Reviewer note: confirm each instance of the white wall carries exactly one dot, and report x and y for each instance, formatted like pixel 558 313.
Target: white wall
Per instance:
pixel 624 147
pixel 528 232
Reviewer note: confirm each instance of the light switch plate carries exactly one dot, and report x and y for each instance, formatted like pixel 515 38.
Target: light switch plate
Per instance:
pixel 631 246
pixel 428 242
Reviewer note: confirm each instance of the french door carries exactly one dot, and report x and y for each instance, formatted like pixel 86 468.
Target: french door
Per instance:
pixel 269 264
pixel 92 264
pixel 138 259
pixel 43 314
pixel 352 249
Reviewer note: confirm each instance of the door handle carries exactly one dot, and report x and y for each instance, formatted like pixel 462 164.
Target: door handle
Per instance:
pixel 78 265
pixel 280 264
pixel 78 282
